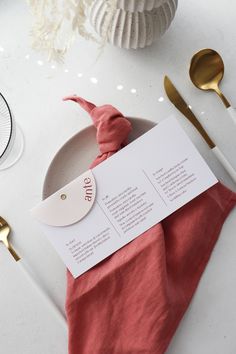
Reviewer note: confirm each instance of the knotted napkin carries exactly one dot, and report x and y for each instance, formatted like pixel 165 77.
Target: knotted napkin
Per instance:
pixel 133 301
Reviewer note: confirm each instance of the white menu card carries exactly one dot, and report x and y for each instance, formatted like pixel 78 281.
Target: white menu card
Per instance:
pixel 115 202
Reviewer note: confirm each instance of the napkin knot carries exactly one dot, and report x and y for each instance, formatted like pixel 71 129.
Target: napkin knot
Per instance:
pixel 112 127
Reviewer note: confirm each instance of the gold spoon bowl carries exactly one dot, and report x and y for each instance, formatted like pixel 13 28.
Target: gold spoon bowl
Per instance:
pixel 206 72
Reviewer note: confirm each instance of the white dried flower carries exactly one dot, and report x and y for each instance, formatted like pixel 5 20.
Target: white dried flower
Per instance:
pixel 57 22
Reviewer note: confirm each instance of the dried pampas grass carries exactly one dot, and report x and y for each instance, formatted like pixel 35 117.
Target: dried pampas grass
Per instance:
pixel 57 23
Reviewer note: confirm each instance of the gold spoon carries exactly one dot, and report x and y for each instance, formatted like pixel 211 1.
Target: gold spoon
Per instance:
pixel 5 230
pixel 206 72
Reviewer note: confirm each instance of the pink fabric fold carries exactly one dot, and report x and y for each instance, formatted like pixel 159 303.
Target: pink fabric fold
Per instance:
pixel 133 301
pixel 112 128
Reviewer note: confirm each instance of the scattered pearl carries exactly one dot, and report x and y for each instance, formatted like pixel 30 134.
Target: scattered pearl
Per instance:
pixel 94 80
pixel 119 87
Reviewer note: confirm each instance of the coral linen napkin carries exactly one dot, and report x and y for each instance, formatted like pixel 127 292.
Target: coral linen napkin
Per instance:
pixel 133 301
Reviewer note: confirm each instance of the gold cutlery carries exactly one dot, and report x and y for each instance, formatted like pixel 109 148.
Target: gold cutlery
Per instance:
pixel 206 72
pixel 5 231
pixel 175 97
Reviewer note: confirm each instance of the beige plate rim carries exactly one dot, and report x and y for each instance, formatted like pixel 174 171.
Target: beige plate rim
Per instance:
pixel 138 124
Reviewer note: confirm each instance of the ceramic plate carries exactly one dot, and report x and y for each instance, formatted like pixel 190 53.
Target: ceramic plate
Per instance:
pixel 76 155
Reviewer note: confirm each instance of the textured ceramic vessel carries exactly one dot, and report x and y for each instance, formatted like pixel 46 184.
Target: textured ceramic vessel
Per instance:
pixel 138 5
pixel 138 27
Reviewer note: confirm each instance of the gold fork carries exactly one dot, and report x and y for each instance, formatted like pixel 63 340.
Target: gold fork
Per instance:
pixel 5 230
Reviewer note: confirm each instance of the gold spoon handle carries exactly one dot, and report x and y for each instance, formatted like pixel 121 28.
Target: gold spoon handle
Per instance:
pixel 222 97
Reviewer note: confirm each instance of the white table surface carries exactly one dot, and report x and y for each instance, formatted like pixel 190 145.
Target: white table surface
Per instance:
pixel 35 93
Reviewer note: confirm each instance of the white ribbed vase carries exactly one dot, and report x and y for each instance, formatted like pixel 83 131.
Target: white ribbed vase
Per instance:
pixel 138 5
pixel 136 28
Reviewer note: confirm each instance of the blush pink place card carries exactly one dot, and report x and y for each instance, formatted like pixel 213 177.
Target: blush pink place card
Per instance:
pixel 115 202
